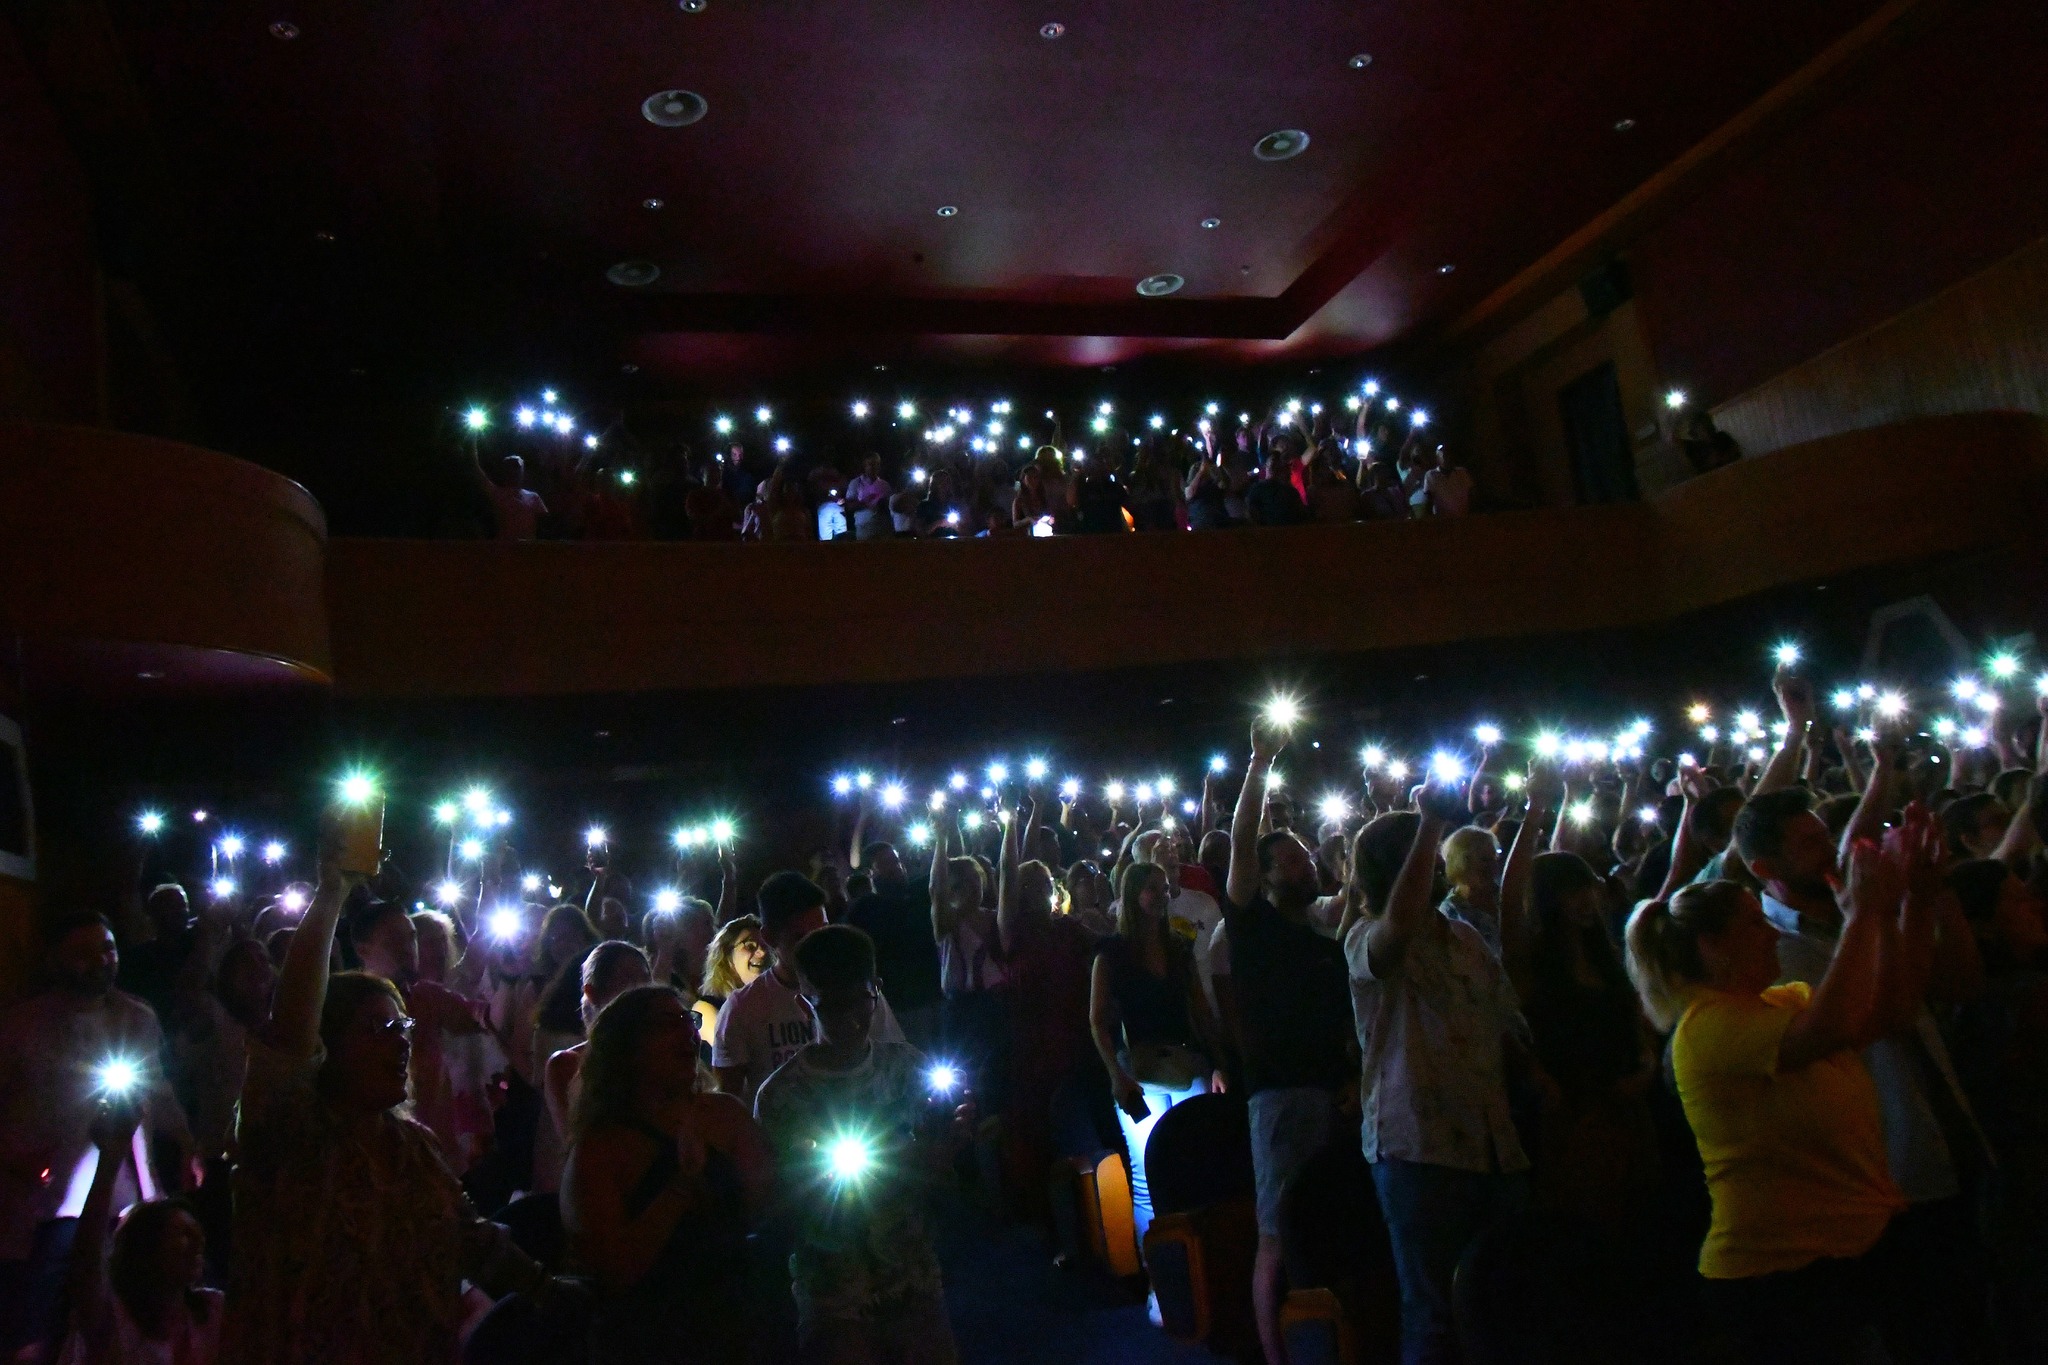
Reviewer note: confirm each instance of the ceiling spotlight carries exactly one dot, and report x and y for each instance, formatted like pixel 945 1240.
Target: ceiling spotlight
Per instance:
pixel 948 210
pixel 1212 222
pixel 673 108
pixel 651 205
pixel 1052 30
pixel 633 274
pixel 1623 125
pixel 1281 145
pixel 1360 61
pixel 284 30
pixel 693 6
pixel 1158 286
pixel 1446 268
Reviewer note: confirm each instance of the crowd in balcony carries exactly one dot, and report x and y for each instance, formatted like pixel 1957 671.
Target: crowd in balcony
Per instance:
pixel 962 475
pixel 1736 1027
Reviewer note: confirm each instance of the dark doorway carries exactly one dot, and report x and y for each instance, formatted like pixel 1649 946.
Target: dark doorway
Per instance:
pixel 1596 435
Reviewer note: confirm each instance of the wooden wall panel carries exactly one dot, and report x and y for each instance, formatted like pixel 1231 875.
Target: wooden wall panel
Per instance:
pixel 1981 345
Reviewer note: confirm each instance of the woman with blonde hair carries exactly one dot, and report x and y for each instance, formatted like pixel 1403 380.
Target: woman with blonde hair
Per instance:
pixel 1784 1112
pixel 735 958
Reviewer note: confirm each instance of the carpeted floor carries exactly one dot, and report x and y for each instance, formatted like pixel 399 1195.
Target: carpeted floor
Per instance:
pixel 1012 1306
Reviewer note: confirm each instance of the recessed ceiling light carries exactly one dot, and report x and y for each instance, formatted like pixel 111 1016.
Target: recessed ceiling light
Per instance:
pixel 694 6
pixel 629 368
pixel 633 274
pixel 1288 142
pixel 324 237
pixel 673 108
pixel 1212 222
pixel 150 675
pixel 1446 268
pixel 1361 61
pixel 1159 286
pixel 1622 125
pixel 284 30
pixel 1052 30
pixel 651 205
pixel 947 210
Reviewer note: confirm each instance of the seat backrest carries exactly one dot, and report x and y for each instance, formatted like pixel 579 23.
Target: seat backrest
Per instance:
pixel 1330 1225
pixel 535 1222
pixel 1539 1288
pixel 1200 1154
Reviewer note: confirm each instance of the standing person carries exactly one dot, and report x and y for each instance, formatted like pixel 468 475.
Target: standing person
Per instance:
pixel 146 1302
pixel 1150 1020
pixel 867 501
pixel 517 508
pixel 51 1045
pixel 970 966
pixel 1436 1018
pixel 351 1237
pixel 1785 1114
pixel 766 1021
pixel 898 917
pixel 848 1117
pixel 1291 1003
pixel 736 956
pixel 1274 500
pixel 661 1185
pixel 1046 961
pixel 1597 1153
pixel 1934 1149
pixel 611 969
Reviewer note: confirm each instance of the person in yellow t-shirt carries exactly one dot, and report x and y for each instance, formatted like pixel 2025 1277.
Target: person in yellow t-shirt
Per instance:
pixel 1784 1113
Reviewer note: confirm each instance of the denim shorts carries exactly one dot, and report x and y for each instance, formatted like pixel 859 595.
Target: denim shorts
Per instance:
pixel 1288 1127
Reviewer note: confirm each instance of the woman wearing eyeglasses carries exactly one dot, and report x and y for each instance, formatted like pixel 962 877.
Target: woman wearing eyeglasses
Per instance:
pixel 351 1237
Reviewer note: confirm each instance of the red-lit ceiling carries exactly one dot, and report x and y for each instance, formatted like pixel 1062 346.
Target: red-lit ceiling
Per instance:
pixel 488 162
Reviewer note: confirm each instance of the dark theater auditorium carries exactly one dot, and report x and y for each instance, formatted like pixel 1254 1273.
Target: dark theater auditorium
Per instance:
pixel 767 682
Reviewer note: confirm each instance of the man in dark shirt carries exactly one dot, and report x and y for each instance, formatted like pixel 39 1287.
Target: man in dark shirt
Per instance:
pixel 1274 500
pixel 149 970
pixel 898 917
pixel 1292 1008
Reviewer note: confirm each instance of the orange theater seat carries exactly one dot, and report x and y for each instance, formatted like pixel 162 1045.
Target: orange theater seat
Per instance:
pixel 1317 1331
pixel 1091 1206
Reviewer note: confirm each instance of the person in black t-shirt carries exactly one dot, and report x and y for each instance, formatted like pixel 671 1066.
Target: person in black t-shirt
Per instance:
pixel 1293 1019
pixel 1274 500
pixel 897 915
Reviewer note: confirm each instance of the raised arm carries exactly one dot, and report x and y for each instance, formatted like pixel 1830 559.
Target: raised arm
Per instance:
pixel 860 831
pixel 1408 904
pixel 1241 884
pixel 1868 821
pixel 92 1313
pixel 1009 920
pixel 302 981
pixel 728 888
pixel 941 882
pixel 1844 1012
pixel 1688 853
pixel 1795 699
pixel 1543 788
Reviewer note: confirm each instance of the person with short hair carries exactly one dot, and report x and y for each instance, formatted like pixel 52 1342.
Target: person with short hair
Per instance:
pixel 52 1044
pixel 897 915
pixel 1290 1001
pixel 1437 1021
pixel 352 1238
pixel 764 1023
pixel 849 1118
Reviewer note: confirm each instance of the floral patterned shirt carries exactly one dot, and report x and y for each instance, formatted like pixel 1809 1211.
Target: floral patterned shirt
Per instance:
pixel 1434 1088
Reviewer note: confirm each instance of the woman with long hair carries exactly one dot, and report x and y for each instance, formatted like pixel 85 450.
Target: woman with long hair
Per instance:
pixel 736 956
pixel 662 1181
pixel 1597 1147
pixel 606 972
pixel 1149 1020
pixel 1785 1114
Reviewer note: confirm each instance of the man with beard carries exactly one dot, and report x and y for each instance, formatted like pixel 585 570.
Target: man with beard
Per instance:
pixel 1933 1146
pixel 1292 996
pixel 60 1051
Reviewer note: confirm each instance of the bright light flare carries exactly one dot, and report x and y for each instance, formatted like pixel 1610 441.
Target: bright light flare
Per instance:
pixel 117 1076
pixel 476 419
pixel 231 846
pixel 150 822
pixel 2004 666
pixel 848 1158
pixel 1845 699
pixel 1282 712
pixel 1398 770
pixel 1334 808
pixel 943 1078
pixel 722 831
pixel 530 882
pixel 273 852
pixel 222 887
pixel 1786 653
pixel 1486 733
pixel 472 850
pixel 1891 706
pixel 1445 766
pixel 1699 713
pixel 842 785
pixel 893 796
pixel 505 924
pixel 597 836
pixel 919 834
pixel 1036 769
pixel 448 893
pixel 667 901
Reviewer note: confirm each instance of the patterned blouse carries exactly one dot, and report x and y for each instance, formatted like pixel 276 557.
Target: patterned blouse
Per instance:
pixel 351 1237
pixel 1435 1076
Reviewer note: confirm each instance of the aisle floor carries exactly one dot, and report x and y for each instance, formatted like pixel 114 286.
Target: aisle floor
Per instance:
pixel 1012 1306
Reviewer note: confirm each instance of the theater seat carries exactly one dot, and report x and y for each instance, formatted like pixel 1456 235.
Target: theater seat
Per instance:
pixel 1316 1330
pixel 1091 1211
pixel 1201 1268
pixel 1200 1155
pixel 1333 1242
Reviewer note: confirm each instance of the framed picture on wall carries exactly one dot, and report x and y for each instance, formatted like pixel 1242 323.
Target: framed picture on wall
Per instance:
pixel 17 816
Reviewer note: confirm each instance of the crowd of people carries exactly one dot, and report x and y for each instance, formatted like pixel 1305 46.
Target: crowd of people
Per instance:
pixel 1364 457
pixel 1771 1016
